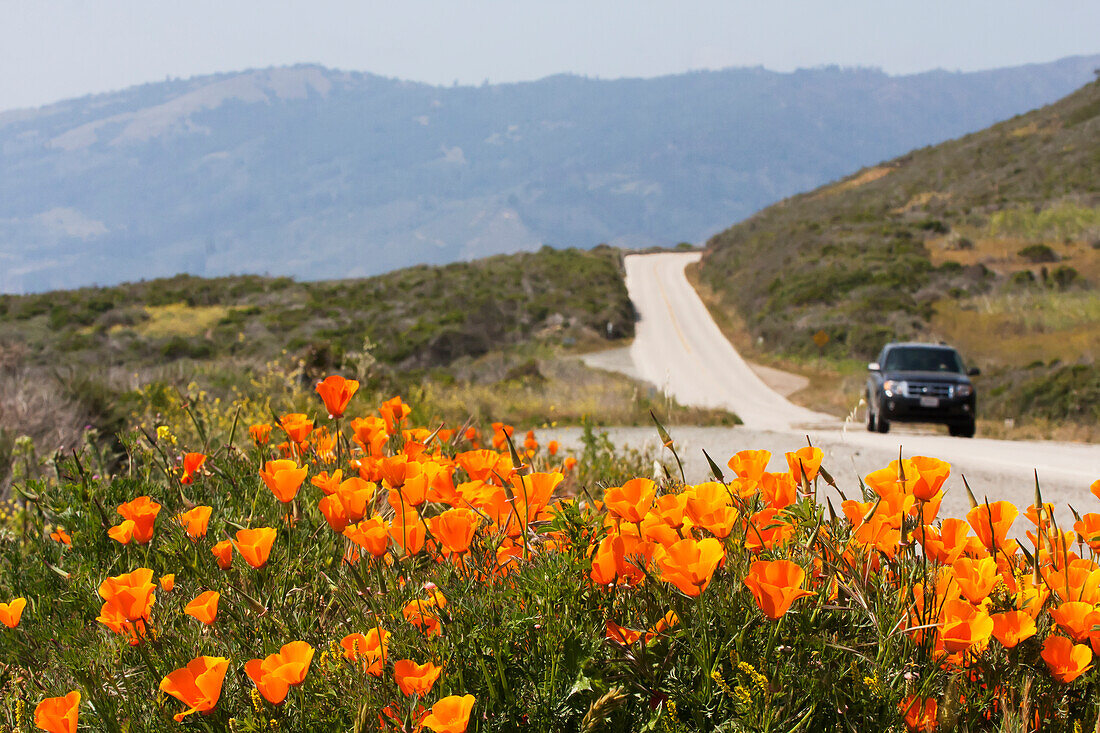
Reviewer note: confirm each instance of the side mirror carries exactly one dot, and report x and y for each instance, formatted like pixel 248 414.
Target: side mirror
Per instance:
pixel 973 372
pixel 873 366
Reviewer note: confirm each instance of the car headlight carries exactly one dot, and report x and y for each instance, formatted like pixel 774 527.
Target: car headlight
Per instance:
pixel 894 386
pixel 964 390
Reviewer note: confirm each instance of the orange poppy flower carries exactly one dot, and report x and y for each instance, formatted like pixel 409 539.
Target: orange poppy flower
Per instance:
pixel 277 673
pixel 413 678
pixel 1012 627
pixel 1078 582
pixel 347 504
pixel 324 445
pixel 60 535
pixel 976 578
pixel 372 534
pixel 750 464
pixel 408 531
pixel 255 545
pixel 931 475
pixel 667 621
pixel 779 489
pixel 393 411
pixel 808 459
pixel 168 582
pixel 131 594
pixel 195 521
pixel 766 530
pixel 198 685
pixel 111 617
pixel 553 447
pixel 621 634
pixel 139 514
pixel 920 714
pixel 297 426
pixel 632 500
pixel 204 607
pixel 479 465
pixel 1031 599
pixel 261 433
pixel 450 715
pixel 991 522
pixel 284 478
pixel 689 564
pixel 1065 660
pixel 568 464
pixel 670 508
pixel 1076 618
pixel 1088 527
pixel 413 490
pixel 370 435
pixel 454 529
pixel 326 483
pixel 617 560
pixel 1095 488
pixel 964 627
pixel 370 649
pixel 58 714
pixel 192 462
pixel 775 585
pixel 122 533
pixel 223 552
pixel 418 613
pixel 336 392
pixel 501 433
pixel 945 545
pixel 11 612
pixel 654 530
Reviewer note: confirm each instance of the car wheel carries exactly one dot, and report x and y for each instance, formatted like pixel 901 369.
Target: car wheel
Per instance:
pixel 961 430
pixel 870 417
pixel 882 425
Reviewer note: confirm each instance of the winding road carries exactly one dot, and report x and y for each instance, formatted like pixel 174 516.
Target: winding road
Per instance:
pixel 679 349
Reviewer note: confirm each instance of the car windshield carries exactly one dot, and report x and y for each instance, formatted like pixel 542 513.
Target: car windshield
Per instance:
pixel 923 359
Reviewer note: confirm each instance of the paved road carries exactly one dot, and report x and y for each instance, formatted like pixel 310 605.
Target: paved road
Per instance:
pixel 680 349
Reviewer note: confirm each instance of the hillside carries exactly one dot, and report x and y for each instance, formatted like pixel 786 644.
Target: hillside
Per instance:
pixel 313 173
pixel 416 319
pixel 990 242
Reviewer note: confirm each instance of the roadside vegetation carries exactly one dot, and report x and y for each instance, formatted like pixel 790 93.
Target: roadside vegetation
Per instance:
pixel 347 568
pixel 492 339
pixel 990 242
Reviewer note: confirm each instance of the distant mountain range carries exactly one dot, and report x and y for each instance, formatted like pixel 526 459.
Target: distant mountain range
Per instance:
pixel 315 173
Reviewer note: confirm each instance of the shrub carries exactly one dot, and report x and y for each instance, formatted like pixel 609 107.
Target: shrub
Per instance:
pixel 1038 253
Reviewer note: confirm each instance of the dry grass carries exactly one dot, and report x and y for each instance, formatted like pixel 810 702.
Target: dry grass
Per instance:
pixel 33 405
pixel 860 179
pixel 1039 429
pixel 1017 329
pixel 564 391
pixel 1001 254
pixel 180 319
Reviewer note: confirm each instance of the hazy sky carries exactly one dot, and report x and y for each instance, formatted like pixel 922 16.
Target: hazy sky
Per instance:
pixel 54 49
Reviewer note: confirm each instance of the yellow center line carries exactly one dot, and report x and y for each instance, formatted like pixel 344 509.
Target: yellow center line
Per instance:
pixel 671 313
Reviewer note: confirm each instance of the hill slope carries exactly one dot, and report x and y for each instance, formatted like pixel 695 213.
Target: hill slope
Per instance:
pixel 991 241
pixel 313 173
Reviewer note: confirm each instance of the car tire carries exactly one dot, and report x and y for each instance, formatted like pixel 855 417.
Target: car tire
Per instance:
pixel 870 416
pixel 882 425
pixel 962 430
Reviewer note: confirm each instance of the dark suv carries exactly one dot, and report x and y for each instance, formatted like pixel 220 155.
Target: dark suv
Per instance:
pixel 920 383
